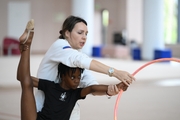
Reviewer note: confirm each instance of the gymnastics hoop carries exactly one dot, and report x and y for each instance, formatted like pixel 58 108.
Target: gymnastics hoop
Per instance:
pixel 151 62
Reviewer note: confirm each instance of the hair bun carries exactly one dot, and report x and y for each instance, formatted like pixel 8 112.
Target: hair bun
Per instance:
pixel 60 31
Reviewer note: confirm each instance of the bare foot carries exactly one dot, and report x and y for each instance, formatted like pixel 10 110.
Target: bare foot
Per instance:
pixel 27 36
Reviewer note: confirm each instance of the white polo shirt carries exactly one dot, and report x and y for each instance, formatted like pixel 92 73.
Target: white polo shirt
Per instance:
pixel 61 52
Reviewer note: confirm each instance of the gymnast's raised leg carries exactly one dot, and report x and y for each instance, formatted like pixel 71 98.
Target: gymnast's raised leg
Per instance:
pixel 28 106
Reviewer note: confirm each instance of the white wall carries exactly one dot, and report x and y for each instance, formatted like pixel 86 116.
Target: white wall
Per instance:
pixel 8 69
pixel 135 20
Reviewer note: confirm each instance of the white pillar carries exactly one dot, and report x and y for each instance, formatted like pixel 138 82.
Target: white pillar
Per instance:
pixel 153 28
pixel 85 10
pixel 19 13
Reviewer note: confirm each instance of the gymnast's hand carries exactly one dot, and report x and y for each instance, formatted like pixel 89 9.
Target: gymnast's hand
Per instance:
pixel 122 86
pixel 114 89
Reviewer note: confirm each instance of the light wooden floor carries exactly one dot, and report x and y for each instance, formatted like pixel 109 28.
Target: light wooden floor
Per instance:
pixel 154 96
pixel 144 100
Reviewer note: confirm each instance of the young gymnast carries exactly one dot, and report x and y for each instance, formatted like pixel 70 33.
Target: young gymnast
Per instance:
pixel 67 49
pixel 61 97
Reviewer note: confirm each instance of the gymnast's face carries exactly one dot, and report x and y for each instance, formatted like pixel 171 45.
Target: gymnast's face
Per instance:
pixel 77 37
pixel 72 79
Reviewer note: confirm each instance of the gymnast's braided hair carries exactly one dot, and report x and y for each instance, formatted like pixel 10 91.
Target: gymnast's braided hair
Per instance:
pixel 63 69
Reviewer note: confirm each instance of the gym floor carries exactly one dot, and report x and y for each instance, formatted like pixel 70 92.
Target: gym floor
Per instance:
pixel 154 98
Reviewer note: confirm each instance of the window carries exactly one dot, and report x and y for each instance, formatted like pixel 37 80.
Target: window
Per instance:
pixel 171 21
pixel 105 23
